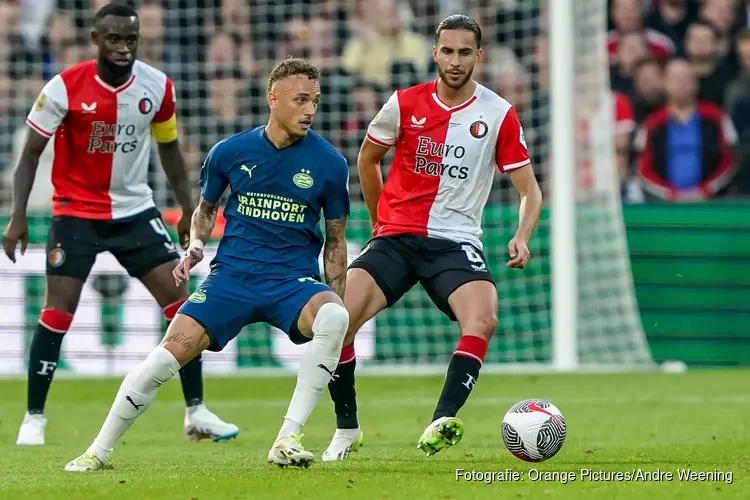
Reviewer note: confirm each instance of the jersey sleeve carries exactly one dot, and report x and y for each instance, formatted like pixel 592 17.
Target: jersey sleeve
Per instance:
pixel 336 204
pixel 164 123
pixel 511 150
pixel 213 178
pixel 384 128
pixel 50 108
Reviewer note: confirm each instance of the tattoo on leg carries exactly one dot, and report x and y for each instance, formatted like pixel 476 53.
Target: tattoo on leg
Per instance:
pixel 181 339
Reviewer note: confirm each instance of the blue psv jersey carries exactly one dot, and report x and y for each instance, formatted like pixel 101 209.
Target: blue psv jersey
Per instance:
pixel 274 206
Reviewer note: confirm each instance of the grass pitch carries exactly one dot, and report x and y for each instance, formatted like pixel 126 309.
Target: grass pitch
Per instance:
pixel 652 423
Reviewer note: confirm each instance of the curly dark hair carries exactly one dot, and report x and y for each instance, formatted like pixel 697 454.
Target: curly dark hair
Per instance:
pixel 293 66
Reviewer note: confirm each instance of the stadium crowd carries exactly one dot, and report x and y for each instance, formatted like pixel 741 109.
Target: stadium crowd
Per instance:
pixel 680 72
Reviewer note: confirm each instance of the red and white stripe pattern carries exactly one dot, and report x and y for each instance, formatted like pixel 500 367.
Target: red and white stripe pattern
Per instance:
pixel 445 161
pixel 102 138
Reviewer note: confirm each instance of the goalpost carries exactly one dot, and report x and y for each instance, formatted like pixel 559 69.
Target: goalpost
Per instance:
pixel 595 318
pixel 572 309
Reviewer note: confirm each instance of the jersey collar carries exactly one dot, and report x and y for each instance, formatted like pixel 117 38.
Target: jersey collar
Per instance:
pixel 454 108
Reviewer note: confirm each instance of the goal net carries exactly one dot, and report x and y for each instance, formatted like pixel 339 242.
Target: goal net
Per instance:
pixel 219 55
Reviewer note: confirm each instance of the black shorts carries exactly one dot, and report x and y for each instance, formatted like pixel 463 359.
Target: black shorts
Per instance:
pixel 140 243
pixel 399 262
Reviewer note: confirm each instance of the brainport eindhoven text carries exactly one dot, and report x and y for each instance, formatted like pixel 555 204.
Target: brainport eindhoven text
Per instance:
pixel 593 475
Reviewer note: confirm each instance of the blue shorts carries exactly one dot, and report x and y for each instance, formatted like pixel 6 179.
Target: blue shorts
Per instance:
pixel 226 302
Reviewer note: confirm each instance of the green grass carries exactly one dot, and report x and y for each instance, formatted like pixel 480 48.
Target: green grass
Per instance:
pixel 616 423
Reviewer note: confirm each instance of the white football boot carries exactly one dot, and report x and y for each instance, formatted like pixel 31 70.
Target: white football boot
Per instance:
pixel 344 442
pixel 32 430
pixel 288 450
pixel 88 462
pixel 203 424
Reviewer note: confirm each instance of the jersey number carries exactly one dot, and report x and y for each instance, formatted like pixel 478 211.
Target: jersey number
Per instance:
pixel 473 257
pixel 158 226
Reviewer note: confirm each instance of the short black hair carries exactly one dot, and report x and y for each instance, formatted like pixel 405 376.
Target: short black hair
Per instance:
pixel 293 66
pixel 117 9
pixel 460 22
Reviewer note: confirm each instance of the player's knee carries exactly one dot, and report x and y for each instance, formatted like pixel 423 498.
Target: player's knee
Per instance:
pixel 185 339
pixel 481 325
pixel 55 320
pixel 332 320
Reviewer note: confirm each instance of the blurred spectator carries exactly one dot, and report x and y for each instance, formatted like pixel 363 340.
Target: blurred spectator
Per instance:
pixel 631 49
pixel 702 52
pixel 721 15
pixel 672 17
pixel 624 126
pixel 627 17
pixel 686 147
pixel 9 36
pixel 151 48
pixel 386 47
pixel 648 88
pixel 60 36
pixel 740 87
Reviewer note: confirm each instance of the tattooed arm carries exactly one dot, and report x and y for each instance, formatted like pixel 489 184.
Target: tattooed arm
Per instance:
pixel 203 221
pixel 334 255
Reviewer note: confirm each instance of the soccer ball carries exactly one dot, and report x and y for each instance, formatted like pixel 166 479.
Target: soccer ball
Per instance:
pixel 534 430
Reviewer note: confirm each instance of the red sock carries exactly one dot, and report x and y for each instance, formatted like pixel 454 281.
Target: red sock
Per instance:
pixel 171 310
pixel 472 347
pixel 56 321
pixel 347 354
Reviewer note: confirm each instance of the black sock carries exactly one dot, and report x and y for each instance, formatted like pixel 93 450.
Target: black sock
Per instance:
pixel 344 396
pixel 43 357
pixel 463 373
pixel 191 376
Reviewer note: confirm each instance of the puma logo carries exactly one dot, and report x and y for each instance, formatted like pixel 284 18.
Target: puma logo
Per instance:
pixel 130 400
pixel 248 170
pixel 333 373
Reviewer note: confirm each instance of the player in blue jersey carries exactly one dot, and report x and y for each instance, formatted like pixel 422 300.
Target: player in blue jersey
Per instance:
pixel 281 177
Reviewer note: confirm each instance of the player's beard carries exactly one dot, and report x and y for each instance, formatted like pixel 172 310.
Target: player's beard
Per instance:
pixel 117 71
pixel 452 83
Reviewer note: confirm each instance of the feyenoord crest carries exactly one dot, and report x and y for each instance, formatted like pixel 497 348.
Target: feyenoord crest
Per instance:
pixel 56 257
pixel 478 129
pixel 145 105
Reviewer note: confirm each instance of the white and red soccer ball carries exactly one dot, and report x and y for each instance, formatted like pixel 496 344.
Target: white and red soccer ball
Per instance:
pixel 534 430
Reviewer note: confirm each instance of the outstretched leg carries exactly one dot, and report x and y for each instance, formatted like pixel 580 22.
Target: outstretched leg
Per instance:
pixel 325 319
pixel 185 339
pixel 199 422
pixel 474 305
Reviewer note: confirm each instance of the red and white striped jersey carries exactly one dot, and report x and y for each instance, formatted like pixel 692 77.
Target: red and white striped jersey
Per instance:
pixel 102 138
pixel 444 161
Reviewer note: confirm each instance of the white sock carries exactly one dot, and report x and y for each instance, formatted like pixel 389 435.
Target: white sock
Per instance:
pixel 136 393
pixel 196 408
pixel 329 330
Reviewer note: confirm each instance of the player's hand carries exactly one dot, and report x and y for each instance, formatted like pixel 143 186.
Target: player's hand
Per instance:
pixel 181 273
pixel 518 249
pixel 17 230
pixel 183 229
